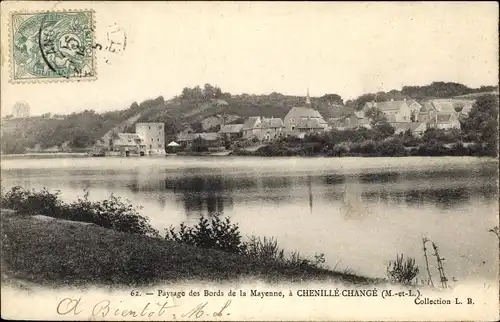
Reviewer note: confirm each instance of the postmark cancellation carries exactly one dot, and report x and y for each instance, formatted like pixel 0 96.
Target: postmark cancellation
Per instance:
pixel 52 46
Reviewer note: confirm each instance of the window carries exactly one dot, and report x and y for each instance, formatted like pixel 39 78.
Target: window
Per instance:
pixel 158 139
pixel 151 139
pixel 159 146
pixel 150 146
pixel 293 128
pixel 292 120
pixel 159 127
pixel 149 127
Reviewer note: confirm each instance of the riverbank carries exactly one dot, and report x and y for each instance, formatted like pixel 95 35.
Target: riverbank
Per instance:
pixel 60 253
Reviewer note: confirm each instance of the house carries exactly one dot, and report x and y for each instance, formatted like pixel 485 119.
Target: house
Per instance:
pixel 129 143
pixel 249 128
pixel 426 113
pixel 395 111
pixel 444 105
pixel 445 121
pixel 231 131
pixel 304 119
pixel 466 107
pixel 416 128
pixel 354 120
pixel 414 106
pixel 153 136
pixel 210 139
pixel 269 128
pixel 262 128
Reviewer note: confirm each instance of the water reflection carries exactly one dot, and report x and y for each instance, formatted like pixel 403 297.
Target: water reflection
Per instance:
pixel 335 206
pixel 202 191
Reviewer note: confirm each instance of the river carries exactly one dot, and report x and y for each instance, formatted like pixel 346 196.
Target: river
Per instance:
pixel 359 212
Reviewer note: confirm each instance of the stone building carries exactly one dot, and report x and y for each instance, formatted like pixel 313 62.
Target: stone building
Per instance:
pixel 153 136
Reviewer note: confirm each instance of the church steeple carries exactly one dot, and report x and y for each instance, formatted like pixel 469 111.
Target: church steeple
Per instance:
pixel 308 99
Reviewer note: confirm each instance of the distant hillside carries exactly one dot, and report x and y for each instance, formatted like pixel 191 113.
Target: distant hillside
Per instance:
pixel 200 109
pixel 195 105
pixel 473 96
pixel 432 91
pixel 77 130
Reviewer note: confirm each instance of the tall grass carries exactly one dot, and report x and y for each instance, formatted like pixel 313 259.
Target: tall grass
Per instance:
pixel 401 271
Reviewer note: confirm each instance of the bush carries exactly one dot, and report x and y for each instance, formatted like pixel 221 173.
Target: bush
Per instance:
pixel 264 249
pixel 214 233
pixel 219 234
pixel 32 202
pixel 402 272
pixel 112 213
pixel 390 148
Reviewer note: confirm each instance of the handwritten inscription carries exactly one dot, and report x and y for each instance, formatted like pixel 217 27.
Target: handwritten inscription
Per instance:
pixel 107 308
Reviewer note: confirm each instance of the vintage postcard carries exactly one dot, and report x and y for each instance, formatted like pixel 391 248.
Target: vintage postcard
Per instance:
pixel 237 161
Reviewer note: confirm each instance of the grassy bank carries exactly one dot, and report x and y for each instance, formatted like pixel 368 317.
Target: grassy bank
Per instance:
pixel 61 253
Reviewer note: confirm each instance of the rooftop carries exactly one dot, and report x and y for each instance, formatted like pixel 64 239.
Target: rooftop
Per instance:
pixel 251 122
pixel 444 117
pixel 387 106
pixel 272 122
pixel 231 128
pixel 300 112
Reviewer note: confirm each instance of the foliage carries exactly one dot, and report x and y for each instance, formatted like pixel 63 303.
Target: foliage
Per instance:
pixel 384 130
pixel 443 136
pixel 80 130
pixel 482 122
pixel 112 213
pixel 402 272
pixel 376 116
pixel 264 249
pixel 214 233
pixel 434 90
pixel 32 202
pixel 199 145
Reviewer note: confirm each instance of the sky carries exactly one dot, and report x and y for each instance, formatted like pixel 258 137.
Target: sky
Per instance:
pixel 259 48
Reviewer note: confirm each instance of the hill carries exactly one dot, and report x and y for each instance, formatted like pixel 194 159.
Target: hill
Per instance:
pixel 201 110
pixel 61 253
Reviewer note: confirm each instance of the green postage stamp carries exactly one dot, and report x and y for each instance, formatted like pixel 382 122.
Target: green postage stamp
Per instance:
pixel 52 46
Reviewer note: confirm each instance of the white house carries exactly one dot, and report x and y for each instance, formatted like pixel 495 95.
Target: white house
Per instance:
pixel 395 111
pixel 262 128
pixel 446 121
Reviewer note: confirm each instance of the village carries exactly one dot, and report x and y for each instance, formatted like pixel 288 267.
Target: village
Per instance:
pixel 256 131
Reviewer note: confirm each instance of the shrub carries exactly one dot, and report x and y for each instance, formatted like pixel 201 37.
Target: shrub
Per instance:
pixel 264 249
pixel 390 148
pixel 214 233
pixel 112 213
pixel 402 272
pixel 30 201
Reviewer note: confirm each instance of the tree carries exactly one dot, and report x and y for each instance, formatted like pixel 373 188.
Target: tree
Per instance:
pixel 384 129
pixel 360 102
pixel 482 122
pixel 333 99
pixel 209 91
pixel 218 92
pixel 376 116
